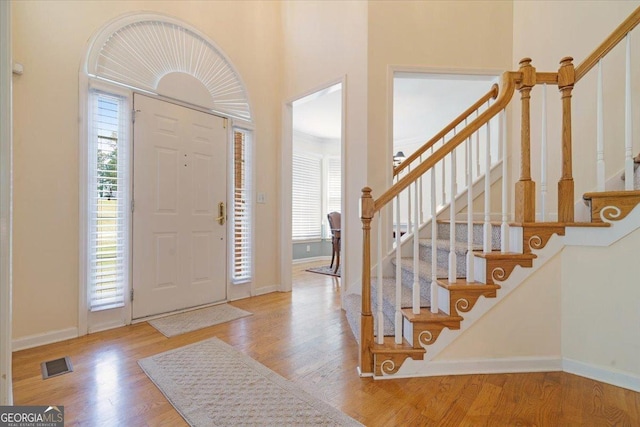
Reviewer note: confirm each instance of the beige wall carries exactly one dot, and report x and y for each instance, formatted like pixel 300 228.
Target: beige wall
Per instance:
pixel 600 300
pixel 49 39
pixel 547 31
pixel 445 35
pixel 324 42
pixel 525 324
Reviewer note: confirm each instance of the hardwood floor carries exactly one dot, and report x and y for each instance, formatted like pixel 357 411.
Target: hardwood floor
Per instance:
pixel 304 336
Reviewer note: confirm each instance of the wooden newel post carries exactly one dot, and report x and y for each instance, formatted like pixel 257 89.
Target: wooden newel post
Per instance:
pixel 566 80
pixel 525 187
pixel 366 319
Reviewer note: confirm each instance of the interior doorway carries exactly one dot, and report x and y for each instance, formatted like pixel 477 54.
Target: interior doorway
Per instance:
pixel 179 216
pixel 316 179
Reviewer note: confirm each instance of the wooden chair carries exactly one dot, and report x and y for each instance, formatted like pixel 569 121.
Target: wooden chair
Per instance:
pixel 334 225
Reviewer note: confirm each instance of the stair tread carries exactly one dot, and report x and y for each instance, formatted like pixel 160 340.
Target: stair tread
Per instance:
pixel 424 267
pixel 447 221
pixel 462 284
pixel 389 347
pixel 559 224
pixel 389 293
pixel 446 243
pixel 504 255
pixel 426 316
pixel 603 194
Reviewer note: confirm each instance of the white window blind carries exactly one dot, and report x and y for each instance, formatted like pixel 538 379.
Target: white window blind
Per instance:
pixel 334 180
pixel 108 196
pixel 306 196
pixel 242 198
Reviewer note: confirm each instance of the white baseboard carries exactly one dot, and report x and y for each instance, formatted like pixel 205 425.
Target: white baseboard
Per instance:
pixel 311 259
pixel 266 290
pixel 604 374
pixel 105 326
pixel 484 366
pixel 36 340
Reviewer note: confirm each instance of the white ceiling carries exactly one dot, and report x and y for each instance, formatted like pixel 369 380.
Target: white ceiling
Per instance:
pixel 423 104
pixel 320 114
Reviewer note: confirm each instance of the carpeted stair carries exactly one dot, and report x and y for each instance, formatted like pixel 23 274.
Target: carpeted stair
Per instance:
pixel 353 301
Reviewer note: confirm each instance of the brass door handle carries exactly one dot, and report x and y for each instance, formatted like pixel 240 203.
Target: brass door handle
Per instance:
pixel 222 217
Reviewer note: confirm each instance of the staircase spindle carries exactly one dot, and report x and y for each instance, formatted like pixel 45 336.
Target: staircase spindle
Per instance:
pixel 487 190
pixel 543 157
pixel 600 165
pixel 504 227
pixel 379 315
pixel 416 254
pixel 628 122
pixel 452 219
pixel 398 313
pixel 421 196
pixel 409 210
pixel 478 164
pixel 443 169
pixel 469 209
pixel 434 246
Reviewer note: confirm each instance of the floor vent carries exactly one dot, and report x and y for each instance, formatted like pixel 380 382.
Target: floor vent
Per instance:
pixel 56 367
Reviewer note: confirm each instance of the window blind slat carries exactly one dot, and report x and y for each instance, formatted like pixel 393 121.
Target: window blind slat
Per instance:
pixel 306 215
pixel 242 197
pixel 108 201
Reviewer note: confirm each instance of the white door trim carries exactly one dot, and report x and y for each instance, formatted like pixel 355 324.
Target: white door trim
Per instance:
pixel 6 177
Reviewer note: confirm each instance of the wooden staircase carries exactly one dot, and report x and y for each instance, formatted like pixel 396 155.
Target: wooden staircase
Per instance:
pixel 423 329
pixel 419 304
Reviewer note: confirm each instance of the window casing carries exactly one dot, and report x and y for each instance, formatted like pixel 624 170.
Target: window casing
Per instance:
pixel 108 200
pixel 242 207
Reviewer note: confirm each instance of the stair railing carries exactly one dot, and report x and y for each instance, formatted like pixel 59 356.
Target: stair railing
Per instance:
pixel 416 168
pixel 411 180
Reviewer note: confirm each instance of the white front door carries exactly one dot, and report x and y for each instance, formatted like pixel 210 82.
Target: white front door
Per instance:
pixel 179 192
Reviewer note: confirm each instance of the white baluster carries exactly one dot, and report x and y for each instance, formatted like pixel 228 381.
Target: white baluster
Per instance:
pixel 543 157
pixel 398 313
pixel 416 255
pixel 600 166
pixel 504 227
pixel 421 197
pixel 444 180
pixel 409 210
pixel 478 165
pixel 379 315
pixel 628 123
pixel 434 246
pixel 452 219
pixel 487 189
pixel 470 258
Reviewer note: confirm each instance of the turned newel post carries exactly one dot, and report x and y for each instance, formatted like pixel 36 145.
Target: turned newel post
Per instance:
pixel 566 80
pixel 525 187
pixel 366 324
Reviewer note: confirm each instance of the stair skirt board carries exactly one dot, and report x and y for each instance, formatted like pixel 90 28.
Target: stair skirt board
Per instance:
pixel 481 366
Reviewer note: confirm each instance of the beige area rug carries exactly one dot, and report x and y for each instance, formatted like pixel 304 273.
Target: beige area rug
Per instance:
pixel 197 319
pixel 212 384
pixel 325 269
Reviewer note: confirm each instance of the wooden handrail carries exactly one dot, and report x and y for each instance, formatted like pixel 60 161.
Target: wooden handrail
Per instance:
pixel 618 34
pixel 492 94
pixel 509 80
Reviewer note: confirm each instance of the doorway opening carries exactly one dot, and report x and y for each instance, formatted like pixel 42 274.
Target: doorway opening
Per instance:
pixel 316 177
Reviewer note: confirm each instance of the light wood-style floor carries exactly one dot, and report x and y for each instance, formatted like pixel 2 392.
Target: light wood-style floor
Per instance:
pixel 304 336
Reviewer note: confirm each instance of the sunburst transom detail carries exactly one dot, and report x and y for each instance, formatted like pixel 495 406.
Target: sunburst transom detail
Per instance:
pixel 139 54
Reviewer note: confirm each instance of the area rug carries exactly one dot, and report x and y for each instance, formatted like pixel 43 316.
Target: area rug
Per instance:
pixel 212 384
pixel 325 269
pixel 197 319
